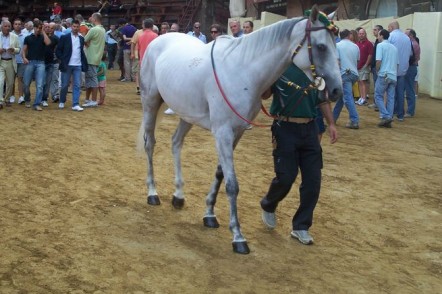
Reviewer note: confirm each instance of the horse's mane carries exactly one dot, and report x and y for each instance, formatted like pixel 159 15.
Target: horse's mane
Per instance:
pixel 262 40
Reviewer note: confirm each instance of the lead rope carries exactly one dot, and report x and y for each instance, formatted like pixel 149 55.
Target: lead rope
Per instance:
pixel 225 97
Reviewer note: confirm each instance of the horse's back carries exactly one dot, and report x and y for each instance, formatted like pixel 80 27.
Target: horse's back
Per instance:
pixel 177 66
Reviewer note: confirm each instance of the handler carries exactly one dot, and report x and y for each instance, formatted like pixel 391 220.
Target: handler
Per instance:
pixel 296 145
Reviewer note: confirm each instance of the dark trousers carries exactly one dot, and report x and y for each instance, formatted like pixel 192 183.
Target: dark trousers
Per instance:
pixel 49 68
pixel 297 147
pixel 121 61
pixel 111 53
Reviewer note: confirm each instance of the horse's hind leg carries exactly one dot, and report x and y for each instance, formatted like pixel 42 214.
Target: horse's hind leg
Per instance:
pixel 177 144
pixel 209 218
pixel 151 105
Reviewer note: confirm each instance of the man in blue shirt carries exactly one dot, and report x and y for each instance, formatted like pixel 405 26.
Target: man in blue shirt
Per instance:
pixel 235 27
pixel 111 46
pixel 403 44
pixel 348 55
pixel 387 62
pixel 197 33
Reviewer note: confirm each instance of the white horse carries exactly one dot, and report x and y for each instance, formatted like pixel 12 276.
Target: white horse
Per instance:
pixel 180 70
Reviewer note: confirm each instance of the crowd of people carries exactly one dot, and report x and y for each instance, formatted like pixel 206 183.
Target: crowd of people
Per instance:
pixel 62 56
pixel 53 56
pixel 393 63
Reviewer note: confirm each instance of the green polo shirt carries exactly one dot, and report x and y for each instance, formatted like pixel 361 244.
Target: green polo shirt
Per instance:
pixel 290 102
pixel 96 37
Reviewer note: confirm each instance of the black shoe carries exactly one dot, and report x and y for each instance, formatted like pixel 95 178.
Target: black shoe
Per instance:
pixel 352 125
pixel 385 123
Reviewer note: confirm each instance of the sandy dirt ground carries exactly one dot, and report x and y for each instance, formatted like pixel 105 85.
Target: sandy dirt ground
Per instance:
pixel 74 217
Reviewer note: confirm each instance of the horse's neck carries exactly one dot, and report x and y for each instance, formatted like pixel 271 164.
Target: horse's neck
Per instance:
pixel 264 67
pixel 265 58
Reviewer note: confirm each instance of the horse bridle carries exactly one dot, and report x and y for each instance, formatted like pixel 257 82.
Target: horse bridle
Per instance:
pixel 318 82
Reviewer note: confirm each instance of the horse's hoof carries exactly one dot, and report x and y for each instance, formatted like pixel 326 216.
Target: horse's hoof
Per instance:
pixel 153 200
pixel 177 202
pixel 241 247
pixel 210 222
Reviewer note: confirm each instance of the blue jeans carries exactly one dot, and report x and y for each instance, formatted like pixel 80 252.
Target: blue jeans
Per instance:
pixel 35 69
pixel 49 69
pixel 75 72
pixel 375 74
pixel 409 89
pixel 348 79
pixel 399 97
pixel 383 85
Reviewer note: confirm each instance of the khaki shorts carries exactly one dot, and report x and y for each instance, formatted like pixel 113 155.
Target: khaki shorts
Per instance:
pixel 91 80
pixel 364 74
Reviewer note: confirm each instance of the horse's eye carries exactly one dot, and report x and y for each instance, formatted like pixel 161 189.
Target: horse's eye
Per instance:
pixel 322 47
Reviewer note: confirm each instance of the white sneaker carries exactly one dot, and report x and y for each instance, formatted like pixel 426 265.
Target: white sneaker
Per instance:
pixel 303 236
pixel 90 104
pixel 86 101
pixel 44 103
pixel 77 108
pixel 359 101
pixel 362 102
pixel 61 105
pixel 21 100
pixel 12 99
pixel 169 111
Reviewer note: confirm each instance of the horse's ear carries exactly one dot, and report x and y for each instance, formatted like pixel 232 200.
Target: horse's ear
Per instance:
pixel 314 13
pixel 332 15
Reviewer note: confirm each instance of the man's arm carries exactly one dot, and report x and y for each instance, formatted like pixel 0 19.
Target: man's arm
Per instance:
pixel 46 39
pixel 327 113
pixel 378 65
pixel 24 52
pixel 368 62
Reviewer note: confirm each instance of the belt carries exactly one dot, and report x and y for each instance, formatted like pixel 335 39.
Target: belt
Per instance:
pixel 6 58
pixel 298 120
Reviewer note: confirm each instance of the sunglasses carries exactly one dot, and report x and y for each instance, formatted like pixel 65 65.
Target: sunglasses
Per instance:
pixel 196 27
pixel 214 32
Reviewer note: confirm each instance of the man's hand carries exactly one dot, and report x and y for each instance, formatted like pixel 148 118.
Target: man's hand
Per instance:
pixel 333 133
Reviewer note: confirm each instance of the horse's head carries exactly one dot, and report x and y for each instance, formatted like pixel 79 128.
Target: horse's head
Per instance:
pixel 322 60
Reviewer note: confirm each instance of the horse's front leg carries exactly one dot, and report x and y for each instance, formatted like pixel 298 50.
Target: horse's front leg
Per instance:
pixel 225 143
pixel 177 145
pixel 210 217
